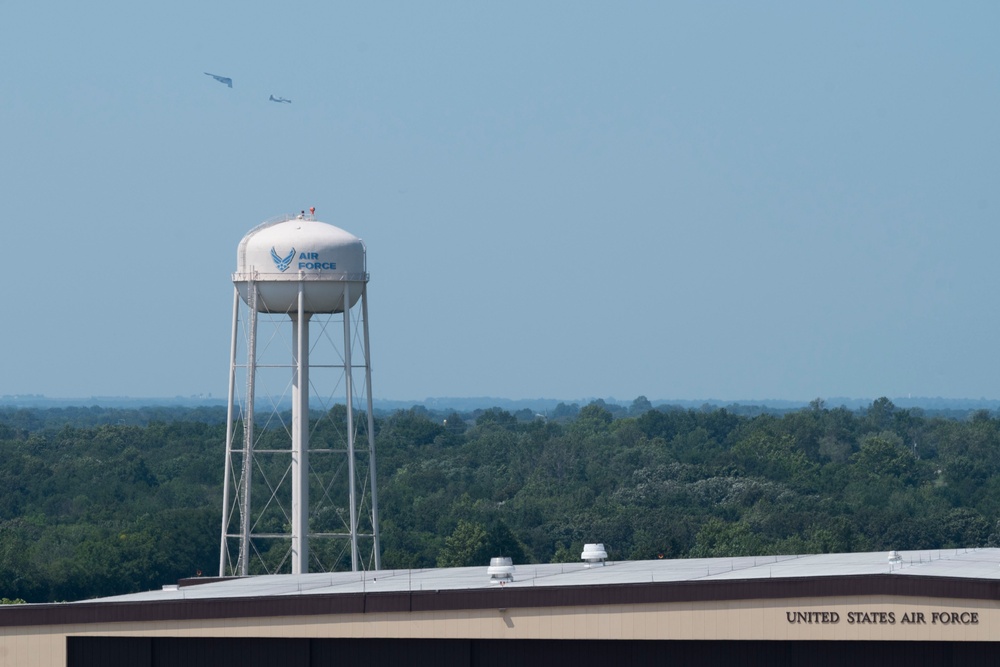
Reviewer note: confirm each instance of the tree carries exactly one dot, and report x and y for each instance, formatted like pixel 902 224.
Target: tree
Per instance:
pixel 496 417
pixel 413 427
pixel 718 538
pixel 639 406
pixel 563 411
pixel 774 457
pixel 883 455
pixel 879 417
pixel 596 414
pixel 466 546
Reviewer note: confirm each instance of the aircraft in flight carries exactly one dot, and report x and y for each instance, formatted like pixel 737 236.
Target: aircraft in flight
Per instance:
pixel 279 99
pixel 221 79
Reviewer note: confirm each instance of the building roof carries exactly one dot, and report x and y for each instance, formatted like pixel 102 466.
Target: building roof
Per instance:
pixel 963 563
pixel 972 574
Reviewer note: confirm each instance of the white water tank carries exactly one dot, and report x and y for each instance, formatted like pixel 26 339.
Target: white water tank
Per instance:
pixel 280 254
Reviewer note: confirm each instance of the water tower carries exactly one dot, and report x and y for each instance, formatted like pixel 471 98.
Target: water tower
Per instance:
pixel 297 332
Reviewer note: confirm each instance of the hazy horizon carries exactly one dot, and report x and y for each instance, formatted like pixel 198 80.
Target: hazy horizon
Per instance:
pixel 469 403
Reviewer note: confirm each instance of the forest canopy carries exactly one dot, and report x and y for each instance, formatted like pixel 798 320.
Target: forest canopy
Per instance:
pixel 96 503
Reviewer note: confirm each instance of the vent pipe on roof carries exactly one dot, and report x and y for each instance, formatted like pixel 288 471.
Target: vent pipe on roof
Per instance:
pixel 501 570
pixel 894 557
pixel 593 555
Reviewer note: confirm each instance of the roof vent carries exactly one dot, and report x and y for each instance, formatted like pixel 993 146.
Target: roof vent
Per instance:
pixel 593 555
pixel 894 557
pixel 501 570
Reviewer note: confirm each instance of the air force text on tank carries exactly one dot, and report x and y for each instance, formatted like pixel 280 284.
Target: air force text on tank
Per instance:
pixel 307 261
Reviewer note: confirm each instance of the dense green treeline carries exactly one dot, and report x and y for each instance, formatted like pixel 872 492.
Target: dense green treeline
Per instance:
pixel 99 511
pixel 110 507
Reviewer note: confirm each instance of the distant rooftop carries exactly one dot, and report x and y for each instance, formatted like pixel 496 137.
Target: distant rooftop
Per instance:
pixel 955 563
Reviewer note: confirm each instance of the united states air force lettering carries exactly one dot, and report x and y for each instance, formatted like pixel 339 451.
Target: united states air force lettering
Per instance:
pixel 885 617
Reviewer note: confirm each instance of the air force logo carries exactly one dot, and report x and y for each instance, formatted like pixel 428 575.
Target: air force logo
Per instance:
pixel 307 261
pixel 282 263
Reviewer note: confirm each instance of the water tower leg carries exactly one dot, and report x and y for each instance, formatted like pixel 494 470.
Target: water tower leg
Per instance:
pixel 371 431
pixel 350 428
pixel 300 438
pixel 243 564
pixel 226 507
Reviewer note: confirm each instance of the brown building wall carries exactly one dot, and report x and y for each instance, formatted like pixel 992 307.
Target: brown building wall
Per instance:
pixel 878 618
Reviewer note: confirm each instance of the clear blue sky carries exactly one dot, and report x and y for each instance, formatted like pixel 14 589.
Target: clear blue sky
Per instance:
pixel 561 199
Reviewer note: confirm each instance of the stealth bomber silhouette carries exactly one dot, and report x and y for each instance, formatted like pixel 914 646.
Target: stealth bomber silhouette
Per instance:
pixel 221 79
